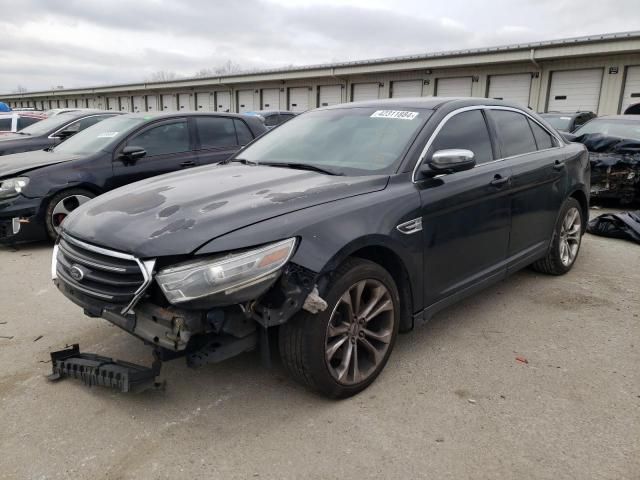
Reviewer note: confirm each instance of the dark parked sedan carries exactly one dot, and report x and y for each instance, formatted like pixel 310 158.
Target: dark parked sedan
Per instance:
pixel 567 122
pixel 39 189
pixel 339 228
pixel 50 132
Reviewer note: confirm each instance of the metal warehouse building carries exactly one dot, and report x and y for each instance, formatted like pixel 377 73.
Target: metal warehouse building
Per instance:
pixel 598 73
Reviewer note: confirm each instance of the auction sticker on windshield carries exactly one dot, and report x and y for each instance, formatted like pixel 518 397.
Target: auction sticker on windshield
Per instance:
pixel 108 134
pixel 395 114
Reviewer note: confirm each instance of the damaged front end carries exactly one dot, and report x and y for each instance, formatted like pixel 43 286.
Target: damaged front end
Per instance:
pixel 615 167
pixel 207 310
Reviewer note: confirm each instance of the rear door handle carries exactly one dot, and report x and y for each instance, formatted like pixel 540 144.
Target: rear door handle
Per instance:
pixel 499 181
pixel 188 163
pixel 558 165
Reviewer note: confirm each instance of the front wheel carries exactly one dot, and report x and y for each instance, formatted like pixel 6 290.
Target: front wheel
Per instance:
pixel 61 205
pixel 341 351
pixel 565 245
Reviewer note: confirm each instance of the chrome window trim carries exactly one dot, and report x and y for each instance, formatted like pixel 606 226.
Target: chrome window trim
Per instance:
pixel 146 267
pixel 53 135
pixel 423 154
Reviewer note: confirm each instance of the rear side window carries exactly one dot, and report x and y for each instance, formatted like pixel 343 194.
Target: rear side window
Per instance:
pixel 543 139
pixel 271 120
pixel 244 134
pixel 24 122
pixel 87 122
pixel 5 124
pixel 514 132
pixel 216 132
pixel 466 130
pixel 164 139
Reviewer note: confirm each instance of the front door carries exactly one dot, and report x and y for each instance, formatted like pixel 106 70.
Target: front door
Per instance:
pixel 465 215
pixel 168 146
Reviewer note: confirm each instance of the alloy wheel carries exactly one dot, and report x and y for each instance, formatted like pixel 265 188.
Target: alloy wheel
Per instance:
pixel 64 207
pixel 359 332
pixel 570 234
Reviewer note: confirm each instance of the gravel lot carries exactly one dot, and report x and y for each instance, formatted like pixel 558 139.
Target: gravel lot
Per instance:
pixel 452 403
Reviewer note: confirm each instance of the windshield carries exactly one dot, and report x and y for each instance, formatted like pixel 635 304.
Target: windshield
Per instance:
pixel 613 128
pixel 347 140
pixel 98 136
pixel 49 125
pixel 559 122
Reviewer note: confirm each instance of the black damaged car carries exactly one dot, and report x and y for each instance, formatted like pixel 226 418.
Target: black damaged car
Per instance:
pixel 39 189
pixel 338 229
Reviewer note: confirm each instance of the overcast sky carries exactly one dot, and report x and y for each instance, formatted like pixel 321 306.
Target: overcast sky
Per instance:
pixel 75 43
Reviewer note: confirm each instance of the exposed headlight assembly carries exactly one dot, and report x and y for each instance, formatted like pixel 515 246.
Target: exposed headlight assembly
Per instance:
pixel 227 275
pixel 12 186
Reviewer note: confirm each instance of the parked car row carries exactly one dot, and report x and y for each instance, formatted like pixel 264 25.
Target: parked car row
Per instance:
pixel 12 122
pixel 334 231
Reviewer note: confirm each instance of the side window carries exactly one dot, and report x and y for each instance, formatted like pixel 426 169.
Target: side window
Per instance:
pixel 271 120
pixel 244 134
pixel 5 124
pixel 163 139
pixel 24 122
pixel 514 132
pixel 216 132
pixel 543 139
pixel 467 130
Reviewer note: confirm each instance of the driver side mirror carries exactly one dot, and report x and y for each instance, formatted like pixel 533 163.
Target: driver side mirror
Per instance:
pixel 448 161
pixel 64 134
pixel 132 153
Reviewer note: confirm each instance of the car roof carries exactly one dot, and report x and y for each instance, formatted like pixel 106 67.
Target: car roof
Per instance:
pixel 431 103
pixel 181 114
pixel 268 112
pixel 35 114
pixel 619 117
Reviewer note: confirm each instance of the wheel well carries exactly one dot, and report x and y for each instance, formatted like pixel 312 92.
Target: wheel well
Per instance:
pixel 580 196
pixel 391 262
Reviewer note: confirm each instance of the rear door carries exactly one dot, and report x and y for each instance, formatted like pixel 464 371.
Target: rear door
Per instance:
pixel 465 215
pixel 538 181
pixel 169 147
pixel 217 138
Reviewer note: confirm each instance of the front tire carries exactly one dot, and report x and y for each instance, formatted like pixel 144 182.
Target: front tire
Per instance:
pixel 61 205
pixel 341 351
pixel 565 245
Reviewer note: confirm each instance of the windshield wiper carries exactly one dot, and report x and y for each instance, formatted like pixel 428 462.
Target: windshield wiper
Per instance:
pixel 239 160
pixel 302 166
pixel 23 133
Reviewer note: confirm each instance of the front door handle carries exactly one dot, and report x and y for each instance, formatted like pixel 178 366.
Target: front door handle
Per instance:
pixel 558 165
pixel 499 181
pixel 188 163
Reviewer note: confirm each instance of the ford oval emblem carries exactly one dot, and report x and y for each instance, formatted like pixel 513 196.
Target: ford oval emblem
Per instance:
pixel 76 273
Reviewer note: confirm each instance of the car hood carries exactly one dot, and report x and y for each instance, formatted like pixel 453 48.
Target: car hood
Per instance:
pixel 19 163
pixel 177 213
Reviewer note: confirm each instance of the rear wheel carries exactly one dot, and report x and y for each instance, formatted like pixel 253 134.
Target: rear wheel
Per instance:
pixel 341 351
pixel 565 244
pixel 61 205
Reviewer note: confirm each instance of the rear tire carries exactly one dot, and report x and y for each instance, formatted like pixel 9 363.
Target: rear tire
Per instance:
pixel 61 205
pixel 565 244
pixel 341 351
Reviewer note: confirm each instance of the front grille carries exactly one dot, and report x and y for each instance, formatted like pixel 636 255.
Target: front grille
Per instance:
pixel 109 277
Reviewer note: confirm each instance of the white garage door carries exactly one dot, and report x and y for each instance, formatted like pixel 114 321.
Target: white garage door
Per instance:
pixel 330 95
pixel 512 88
pixel 575 90
pixel 631 94
pixel 112 103
pixel 138 104
pixel 205 102
pixel 152 103
pixel 365 91
pixel 223 102
pixel 454 87
pixel 270 98
pixel 125 104
pixel 185 102
pixel 406 88
pixel 245 101
pixel 299 99
pixel 169 103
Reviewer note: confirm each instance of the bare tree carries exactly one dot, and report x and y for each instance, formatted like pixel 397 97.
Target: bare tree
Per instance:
pixel 162 76
pixel 227 68
pixel 20 89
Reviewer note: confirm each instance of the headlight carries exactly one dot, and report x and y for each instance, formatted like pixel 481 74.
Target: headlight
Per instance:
pixel 12 186
pixel 194 280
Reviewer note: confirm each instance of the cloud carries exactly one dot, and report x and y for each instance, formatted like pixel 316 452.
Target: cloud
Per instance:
pixel 84 43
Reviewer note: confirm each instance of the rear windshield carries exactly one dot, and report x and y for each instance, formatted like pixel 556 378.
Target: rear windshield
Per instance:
pixel 612 128
pixel 49 125
pixel 559 122
pixel 99 136
pixel 348 141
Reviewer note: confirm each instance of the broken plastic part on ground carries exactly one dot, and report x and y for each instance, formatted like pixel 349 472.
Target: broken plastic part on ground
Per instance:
pixel 625 225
